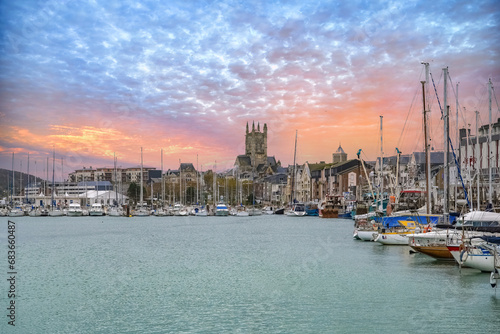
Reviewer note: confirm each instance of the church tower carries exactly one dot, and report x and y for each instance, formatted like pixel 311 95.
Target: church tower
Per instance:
pixel 339 155
pixel 256 145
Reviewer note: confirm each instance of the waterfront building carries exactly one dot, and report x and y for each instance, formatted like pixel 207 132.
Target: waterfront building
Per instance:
pixel 255 159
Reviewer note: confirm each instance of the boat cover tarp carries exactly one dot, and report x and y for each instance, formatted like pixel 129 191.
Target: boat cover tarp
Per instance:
pixel 394 221
pixel 491 239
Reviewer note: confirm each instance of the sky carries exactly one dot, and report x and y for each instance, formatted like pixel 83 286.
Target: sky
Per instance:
pixel 94 79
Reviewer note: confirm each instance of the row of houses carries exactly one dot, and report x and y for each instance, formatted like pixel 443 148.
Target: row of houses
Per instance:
pixel 310 182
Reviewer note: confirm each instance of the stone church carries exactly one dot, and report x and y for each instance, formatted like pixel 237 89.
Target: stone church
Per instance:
pixel 255 159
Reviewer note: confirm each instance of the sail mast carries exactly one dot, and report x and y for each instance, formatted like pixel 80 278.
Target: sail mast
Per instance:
pixel 293 170
pixel 53 174
pixel 425 92
pixel 141 192
pixel 478 174
pixel 162 183
pixel 490 200
pixel 381 190
pixel 446 119
pixel 427 183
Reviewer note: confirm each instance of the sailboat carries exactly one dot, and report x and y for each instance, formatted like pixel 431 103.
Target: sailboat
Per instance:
pixel 55 211
pixel 141 211
pixel 115 210
pixel 296 209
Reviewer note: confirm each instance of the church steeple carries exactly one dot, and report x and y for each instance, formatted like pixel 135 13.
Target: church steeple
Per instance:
pixel 253 126
pixel 258 126
pixel 247 127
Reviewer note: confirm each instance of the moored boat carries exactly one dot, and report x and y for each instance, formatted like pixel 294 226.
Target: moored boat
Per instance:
pixel 221 210
pixel 75 210
pixel 96 210
pixel 398 235
pixel 297 210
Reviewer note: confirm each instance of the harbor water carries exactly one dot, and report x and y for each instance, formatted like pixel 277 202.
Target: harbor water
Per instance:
pixel 263 274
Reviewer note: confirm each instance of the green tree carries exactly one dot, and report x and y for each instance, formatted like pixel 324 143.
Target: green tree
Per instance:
pixel 134 192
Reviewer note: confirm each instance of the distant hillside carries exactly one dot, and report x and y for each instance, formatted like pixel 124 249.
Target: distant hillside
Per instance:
pixel 21 180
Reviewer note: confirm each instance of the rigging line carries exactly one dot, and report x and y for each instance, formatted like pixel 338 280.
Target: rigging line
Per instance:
pixel 452 149
pixel 407 116
pixel 495 95
pixel 460 109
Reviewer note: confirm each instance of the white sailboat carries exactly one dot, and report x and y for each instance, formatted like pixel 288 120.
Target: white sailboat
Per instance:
pixel 141 211
pixel 55 211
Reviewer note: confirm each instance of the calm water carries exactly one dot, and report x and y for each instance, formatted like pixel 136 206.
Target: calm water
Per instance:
pixel 266 274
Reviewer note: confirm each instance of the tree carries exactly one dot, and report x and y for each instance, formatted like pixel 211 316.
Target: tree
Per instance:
pixel 134 192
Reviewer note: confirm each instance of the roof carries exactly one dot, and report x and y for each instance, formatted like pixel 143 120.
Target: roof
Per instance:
pixel 436 157
pixel 94 183
pixel 243 160
pixel 340 150
pixel 271 161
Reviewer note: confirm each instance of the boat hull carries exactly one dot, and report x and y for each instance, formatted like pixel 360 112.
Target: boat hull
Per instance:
pixel 367 235
pixel 437 252
pixel 392 239
pixel 476 258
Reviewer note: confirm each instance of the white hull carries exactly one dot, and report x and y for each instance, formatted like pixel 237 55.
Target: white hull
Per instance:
pixel 477 258
pixel 367 235
pixel 201 213
pixel 392 239
pixel 75 213
pixel 16 213
pixel 296 213
pixel 56 213
pixel 242 214
pixel 254 212
pixel 35 213
pixel 96 213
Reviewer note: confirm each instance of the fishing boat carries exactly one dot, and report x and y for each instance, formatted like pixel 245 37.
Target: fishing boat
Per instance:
pixel 74 210
pixel 329 208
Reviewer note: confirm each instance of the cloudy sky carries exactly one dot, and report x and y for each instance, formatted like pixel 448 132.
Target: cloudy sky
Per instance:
pixel 97 78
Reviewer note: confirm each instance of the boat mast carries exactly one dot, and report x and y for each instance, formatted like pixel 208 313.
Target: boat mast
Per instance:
pixel 28 182
pixel 427 183
pixel 458 150
pixel 478 174
pixel 197 184
pixel 293 170
pixel 381 192
pixel 141 192
pixel 46 188
pixel 116 180
pixel 53 174
pixel 446 119
pixel 490 200
pixel 13 182
pixel 425 92
pixel 162 183
pixel 180 181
